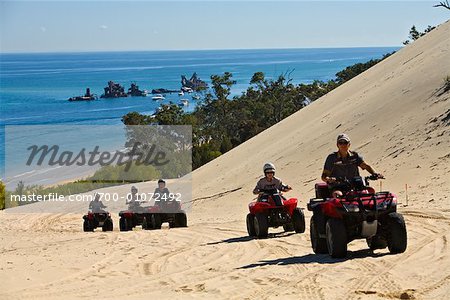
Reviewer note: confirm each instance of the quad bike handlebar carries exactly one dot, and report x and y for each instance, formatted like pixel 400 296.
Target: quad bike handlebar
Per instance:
pixel 374 177
pixel 348 181
pixel 284 188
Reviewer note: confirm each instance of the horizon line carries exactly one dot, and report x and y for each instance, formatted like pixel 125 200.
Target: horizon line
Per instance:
pixel 188 50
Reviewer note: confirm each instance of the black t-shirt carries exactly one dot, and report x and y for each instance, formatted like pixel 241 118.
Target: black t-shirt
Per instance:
pixel 343 167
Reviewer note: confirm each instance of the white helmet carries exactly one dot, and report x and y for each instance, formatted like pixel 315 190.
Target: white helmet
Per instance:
pixel 269 167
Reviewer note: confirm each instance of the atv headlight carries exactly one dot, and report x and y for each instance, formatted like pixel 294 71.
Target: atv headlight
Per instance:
pixel 382 205
pixel 394 201
pixel 351 207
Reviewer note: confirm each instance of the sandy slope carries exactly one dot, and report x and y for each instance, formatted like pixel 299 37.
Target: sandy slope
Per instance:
pixel 396 118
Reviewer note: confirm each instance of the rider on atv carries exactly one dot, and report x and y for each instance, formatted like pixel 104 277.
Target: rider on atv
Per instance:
pixel 161 194
pixel 343 164
pixel 96 206
pixel 269 182
pixel 133 200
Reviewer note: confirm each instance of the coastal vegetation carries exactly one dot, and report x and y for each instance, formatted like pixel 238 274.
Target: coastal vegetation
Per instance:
pixel 415 35
pixel 2 195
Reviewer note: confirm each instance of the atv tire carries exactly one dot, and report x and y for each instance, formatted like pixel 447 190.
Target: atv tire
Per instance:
pixel 319 245
pixel 336 238
pixel 124 224
pixel 87 226
pixel 396 236
pixel 251 225
pixel 261 225
pixel 376 242
pixel 180 220
pixel 288 227
pixel 298 219
pixel 156 221
pixel 147 223
pixel 107 225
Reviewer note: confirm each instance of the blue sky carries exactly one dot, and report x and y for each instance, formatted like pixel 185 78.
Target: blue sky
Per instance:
pixel 37 26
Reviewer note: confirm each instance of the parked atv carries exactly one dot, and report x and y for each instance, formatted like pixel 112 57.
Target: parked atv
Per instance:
pixel 98 219
pixel 272 209
pixel 359 213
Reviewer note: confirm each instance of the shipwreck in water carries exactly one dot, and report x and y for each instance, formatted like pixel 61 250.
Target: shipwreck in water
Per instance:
pixel 134 91
pixel 114 90
pixel 194 83
pixel 87 96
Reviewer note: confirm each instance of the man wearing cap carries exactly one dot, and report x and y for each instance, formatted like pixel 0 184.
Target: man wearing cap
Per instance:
pixel 344 164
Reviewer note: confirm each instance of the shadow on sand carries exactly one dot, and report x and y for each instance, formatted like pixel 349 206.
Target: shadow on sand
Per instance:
pixel 249 238
pixel 314 258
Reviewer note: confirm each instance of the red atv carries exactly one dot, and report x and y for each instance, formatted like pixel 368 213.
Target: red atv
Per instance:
pixel 131 218
pixel 166 211
pixel 98 219
pixel 152 217
pixel 272 209
pixel 359 213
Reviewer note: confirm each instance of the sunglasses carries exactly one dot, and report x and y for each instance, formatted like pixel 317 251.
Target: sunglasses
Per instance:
pixel 270 173
pixel 343 143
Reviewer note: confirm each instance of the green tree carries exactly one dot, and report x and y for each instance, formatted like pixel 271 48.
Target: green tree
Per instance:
pixel 20 189
pixel 2 195
pixel 169 114
pixel 415 35
pixel 135 118
pixel 222 85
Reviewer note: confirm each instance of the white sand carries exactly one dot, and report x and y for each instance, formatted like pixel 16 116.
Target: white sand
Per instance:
pixel 394 117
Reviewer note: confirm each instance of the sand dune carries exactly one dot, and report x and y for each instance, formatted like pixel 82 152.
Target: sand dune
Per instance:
pixel 397 118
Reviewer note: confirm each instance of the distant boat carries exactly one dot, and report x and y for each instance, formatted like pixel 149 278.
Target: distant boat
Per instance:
pixel 181 93
pixel 186 89
pixel 196 97
pixel 184 102
pixel 158 97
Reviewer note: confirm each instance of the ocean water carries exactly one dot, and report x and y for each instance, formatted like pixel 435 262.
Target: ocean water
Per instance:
pixel 34 88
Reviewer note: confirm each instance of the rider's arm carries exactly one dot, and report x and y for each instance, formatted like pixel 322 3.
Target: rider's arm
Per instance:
pixel 328 166
pixel 326 176
pixel 257 188
pixel 284 187
pixel 369 169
